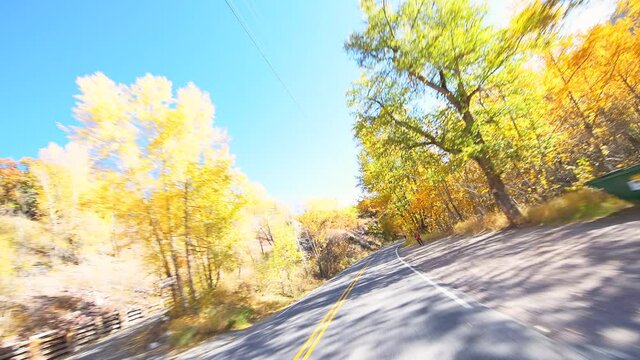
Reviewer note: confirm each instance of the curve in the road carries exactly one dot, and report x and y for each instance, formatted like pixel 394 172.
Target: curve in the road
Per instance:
pixel 390 312
pixel 307 349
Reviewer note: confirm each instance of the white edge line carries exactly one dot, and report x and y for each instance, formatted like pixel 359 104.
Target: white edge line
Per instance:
pixel 448 293
pixel 531 327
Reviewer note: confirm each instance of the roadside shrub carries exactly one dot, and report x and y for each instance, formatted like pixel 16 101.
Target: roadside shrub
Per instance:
pixel 190 329
pixel 472 225
pixel 219 311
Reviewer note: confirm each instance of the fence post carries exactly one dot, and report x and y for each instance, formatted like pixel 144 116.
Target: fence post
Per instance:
pixel 34 347
pixel 71 339
pixel 99 326
pixel 124 322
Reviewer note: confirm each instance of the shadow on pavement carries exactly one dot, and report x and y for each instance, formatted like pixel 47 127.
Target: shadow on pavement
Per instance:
pixel 391 313
pixel 578 283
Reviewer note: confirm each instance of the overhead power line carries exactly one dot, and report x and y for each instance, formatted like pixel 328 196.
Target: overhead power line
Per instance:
pixel 264 56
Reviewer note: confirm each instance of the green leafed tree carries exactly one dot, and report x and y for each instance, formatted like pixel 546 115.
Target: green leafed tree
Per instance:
pixel 438 76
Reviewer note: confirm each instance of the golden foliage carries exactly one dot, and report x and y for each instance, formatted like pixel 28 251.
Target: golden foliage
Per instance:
pixel 551 113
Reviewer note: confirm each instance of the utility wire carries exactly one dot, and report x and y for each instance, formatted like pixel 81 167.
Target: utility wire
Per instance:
pixel 264 56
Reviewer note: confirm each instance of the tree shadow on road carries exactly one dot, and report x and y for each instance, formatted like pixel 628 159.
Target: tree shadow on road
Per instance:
pixel 580 282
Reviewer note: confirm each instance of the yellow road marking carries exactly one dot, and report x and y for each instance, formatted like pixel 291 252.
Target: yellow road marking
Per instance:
pixel 317 329
pixel 313 340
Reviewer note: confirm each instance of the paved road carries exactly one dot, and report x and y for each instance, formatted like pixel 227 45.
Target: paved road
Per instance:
pixel 579 283
pixel 381 308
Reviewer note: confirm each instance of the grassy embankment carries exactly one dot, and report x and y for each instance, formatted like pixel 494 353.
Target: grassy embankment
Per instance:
pixel 230 308
pixel 580 205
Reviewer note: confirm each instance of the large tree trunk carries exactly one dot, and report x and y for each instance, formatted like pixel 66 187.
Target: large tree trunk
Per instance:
pixel 173 254
pixel 192 291
pixel 499 190
pixel 162 253
pixel 453 204
pixel 179 283
pixel 187 243
pixel 209 270
pixel 494 180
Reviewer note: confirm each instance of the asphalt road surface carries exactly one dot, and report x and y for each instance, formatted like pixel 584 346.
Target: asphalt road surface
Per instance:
pixel 381 308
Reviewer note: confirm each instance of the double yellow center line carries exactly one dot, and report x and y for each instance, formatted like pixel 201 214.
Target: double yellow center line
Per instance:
pixel 306 349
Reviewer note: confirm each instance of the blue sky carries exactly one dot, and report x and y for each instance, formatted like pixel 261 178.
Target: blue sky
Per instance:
pixel 46 45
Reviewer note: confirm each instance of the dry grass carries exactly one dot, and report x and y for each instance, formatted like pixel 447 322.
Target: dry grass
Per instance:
pixel 580 205
pixel 230 307
pixel 218 311
pixel 583 204
pixel 492 222
pixel 189 330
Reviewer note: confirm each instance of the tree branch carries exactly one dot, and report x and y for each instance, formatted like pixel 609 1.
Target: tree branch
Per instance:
pixel 384 11
pixel 431 140
pixel 443 91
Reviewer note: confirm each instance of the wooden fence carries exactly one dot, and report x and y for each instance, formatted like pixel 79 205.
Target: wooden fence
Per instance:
pixel 57 344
